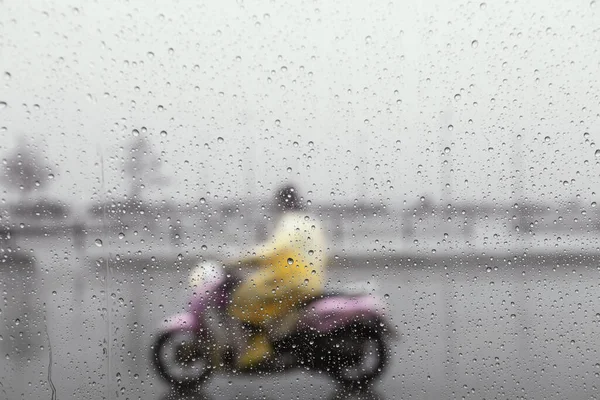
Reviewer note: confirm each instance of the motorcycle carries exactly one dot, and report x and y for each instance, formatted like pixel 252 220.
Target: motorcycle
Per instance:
pixel 344 335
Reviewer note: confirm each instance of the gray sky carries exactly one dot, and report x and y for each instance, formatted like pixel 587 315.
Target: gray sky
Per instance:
pixel 373 85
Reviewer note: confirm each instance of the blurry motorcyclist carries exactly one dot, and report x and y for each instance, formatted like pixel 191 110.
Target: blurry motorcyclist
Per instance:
pixel 291 268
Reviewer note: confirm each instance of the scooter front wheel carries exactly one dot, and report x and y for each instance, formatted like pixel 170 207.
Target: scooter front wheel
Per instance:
pixel 182 358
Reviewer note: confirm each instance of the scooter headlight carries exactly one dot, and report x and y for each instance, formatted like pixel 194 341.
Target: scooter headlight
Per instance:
pixel 206 273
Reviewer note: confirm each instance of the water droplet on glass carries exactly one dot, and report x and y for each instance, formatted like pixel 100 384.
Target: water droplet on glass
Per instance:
pixel 220 139
pixel 135 132
pixel 450 127
pixel 447 150
pixel 204 247
pixel 50 176
pixel 597 153
pixel 290 261
pixel 289 169
pixel 163 133
pixel 547 139
pixel 121 235
pixel 98 242
pixel 7 76
pixel 586 135
pixel 171 51
pixel 457 96
pixel 202 200
pixel 150 55
pixel 3 105
pixel 474 44
pixel 483 6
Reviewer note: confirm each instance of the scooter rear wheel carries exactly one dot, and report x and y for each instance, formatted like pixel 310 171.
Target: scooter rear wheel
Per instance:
pixel 364 367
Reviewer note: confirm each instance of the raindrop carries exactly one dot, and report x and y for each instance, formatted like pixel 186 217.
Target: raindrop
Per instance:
pixel 450 127
pixel 220 139
pixel 121 235
pixel 547 138
pixel 457 96
pixel 50 176
pixel 2 105
pixel 474 44
pixel 289 169
pixel 150 55
pixel 163 133
pixel 447 150
pixel 597 153
pixel 202 200
pixel 98 242
pixel 7 76
pixel 135 132
pixel 290 261
pixel 171 51
pixel 483 6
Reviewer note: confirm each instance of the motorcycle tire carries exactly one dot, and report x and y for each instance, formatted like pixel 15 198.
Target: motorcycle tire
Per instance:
pixel 366 377
pixel 164 372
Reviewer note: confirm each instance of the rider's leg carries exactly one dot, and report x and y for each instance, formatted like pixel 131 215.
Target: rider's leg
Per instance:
pixel 251 305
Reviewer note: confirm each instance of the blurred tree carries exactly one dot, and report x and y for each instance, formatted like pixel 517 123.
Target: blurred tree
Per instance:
pixel 142 166
pixel 24 168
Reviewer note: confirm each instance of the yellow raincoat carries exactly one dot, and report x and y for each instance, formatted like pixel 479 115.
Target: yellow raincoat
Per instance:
pixel 291 270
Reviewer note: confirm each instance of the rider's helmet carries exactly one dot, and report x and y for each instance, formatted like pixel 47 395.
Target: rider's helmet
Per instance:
pixel 288 199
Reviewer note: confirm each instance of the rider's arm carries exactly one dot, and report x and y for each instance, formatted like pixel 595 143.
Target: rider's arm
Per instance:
pixel 268 250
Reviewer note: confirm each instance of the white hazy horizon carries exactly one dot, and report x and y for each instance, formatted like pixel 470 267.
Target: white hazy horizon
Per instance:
pixel 377 100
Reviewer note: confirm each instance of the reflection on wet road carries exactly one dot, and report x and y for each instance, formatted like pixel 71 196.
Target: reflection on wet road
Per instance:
pixel 490 328
pixel 336 394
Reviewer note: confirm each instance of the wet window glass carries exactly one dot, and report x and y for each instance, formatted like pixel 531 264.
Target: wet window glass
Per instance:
pixel 299 200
